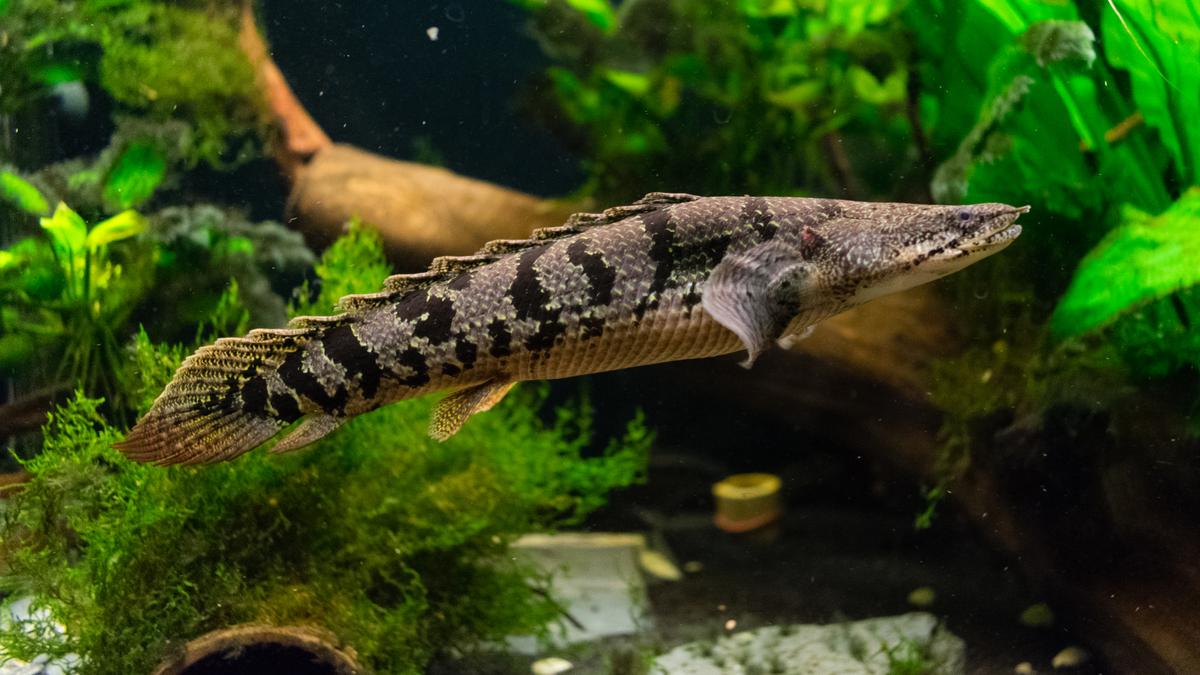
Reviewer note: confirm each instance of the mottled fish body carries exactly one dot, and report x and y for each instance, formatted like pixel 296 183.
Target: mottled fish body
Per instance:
pixel 668 278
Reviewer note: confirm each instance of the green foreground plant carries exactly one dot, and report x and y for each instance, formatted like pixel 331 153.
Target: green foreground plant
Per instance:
pixel 392 541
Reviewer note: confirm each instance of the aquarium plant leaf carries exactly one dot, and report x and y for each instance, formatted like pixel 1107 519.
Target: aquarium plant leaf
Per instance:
pixel 599 12
pixel 1144 259
pixel 1156 42
pixel 68 232
pixel 121 226
pixel 22 194
pixel 135 175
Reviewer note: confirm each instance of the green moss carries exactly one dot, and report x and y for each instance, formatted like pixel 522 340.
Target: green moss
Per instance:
pixel 157 59
pixel 394 542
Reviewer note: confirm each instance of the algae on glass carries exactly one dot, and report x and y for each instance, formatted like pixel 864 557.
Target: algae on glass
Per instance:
pixel 392 541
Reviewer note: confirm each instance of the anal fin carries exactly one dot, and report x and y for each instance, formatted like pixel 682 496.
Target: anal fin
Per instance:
pixel 450 413
pixel 312 429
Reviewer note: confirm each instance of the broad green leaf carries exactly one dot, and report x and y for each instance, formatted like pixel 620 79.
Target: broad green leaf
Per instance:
pixel 636 84
pixel 121 226
pixel 599 12
pixel 135 175
pixel 58 72
pixel 22 194
pixel 68 232
pixel 1019 15
pixel 7 259
pixel 1157 43
pixel 852 16
pixel 1160 337
pixel 1143 259
pixel 761 9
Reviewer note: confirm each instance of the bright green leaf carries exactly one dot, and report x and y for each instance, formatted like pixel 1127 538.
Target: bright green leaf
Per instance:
pixel 599 12
pixel 121 226
pixel 135 175
pixel 57 73
pixel 636 84
pixel 22 194
pixel 762 9
pixel 68 232
pixel 1018 15
pixel 1143 259
pixel 1157 43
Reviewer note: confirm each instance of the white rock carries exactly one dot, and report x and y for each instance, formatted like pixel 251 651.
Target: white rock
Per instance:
pixel 551 665
pixel 868 647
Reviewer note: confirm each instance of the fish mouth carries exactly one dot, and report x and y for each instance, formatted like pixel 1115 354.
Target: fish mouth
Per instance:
pixel 1000 231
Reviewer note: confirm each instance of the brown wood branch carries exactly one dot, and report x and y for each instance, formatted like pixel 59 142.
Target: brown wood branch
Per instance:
pixel 318 644
pixel 421 211
pixel 300 137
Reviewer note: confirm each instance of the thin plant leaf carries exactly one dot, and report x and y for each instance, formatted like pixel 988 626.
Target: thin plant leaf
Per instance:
pixel 22 194
pixel 121 226
pixel 68 232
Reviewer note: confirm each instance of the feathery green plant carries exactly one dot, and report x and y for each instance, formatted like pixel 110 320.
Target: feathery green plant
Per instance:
pixel 394 542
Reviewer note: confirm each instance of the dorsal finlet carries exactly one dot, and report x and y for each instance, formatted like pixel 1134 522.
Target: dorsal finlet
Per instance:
pixel 447 267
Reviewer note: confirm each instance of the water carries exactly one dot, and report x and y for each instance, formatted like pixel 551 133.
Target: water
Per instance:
pixel 992 472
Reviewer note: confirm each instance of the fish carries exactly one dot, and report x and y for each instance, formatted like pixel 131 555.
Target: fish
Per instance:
pixel 667 278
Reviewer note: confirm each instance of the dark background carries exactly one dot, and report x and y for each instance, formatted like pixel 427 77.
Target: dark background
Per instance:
pixel 370 75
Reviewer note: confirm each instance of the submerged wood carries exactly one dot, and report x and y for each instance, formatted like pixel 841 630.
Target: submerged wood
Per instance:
pixel 421 211
pixel 221 648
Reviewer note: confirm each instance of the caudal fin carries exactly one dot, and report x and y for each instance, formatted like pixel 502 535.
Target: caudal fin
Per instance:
pixel 204 414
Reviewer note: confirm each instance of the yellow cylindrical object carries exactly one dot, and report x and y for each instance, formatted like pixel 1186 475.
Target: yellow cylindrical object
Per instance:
pixel 747 501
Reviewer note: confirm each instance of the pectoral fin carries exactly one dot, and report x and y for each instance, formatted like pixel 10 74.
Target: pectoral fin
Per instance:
pixel 450 413
pixel 757 293
pixel 312 429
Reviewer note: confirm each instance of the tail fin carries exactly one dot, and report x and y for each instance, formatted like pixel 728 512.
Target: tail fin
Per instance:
pixel 202 417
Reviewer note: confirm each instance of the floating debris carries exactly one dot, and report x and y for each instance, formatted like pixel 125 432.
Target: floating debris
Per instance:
pixel 432 32
pixel 658 565
pixel 551 665
pixel 1071 657
pixel 922 597
pixel 1037 616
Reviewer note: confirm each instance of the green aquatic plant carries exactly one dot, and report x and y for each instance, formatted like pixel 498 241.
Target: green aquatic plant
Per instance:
pixel 395 543
pixel 770 97
pixel 353 264
pixel 200 248
pixel 161 60
pixel 69 293
pixel 1080 111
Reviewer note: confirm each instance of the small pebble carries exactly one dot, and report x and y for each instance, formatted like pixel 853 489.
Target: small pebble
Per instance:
pixel 922 597
pixel 1024 668
pixel 1037 616
pixel 432 32
pixel 1071 657
pixel 551 665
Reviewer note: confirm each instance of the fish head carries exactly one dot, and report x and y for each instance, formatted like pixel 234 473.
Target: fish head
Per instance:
pixel 874 249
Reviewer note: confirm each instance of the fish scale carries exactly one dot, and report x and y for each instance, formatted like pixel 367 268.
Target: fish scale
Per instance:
pixel 670 277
